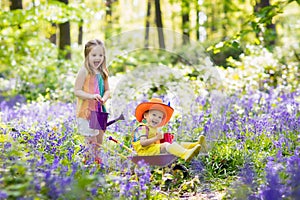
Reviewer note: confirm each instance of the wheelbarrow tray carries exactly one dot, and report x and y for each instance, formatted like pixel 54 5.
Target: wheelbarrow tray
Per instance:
pixel 161 160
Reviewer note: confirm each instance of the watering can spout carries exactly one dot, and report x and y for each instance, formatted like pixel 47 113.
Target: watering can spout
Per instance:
pixel 121 117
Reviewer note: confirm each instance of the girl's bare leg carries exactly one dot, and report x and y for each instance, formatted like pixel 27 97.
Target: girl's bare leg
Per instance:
pixel 100 137
pixel 91 142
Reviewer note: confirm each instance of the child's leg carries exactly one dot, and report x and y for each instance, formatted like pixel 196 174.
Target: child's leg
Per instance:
pixel 99 142
pixel 93 146
pixel 163 147
pixel 100 137
pixel 190 145
pixel 90 144
pixel 180 151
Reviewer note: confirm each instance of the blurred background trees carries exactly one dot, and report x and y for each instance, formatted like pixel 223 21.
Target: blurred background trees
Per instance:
pixel 41 41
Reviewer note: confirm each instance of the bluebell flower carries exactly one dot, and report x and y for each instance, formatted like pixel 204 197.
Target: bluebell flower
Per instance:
pixel 3 194
pixel 274 188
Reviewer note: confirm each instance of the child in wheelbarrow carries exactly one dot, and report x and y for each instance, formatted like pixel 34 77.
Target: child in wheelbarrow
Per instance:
pixel 146 138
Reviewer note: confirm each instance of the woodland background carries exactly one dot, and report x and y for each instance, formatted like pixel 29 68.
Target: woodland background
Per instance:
pixel 42 40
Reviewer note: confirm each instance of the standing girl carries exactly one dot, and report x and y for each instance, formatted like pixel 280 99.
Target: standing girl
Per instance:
pixel 92 91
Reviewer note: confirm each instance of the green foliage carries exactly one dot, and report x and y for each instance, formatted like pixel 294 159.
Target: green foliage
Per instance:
pixel 127 62
pixel 224 160
pixel 255 30
pixel 27 56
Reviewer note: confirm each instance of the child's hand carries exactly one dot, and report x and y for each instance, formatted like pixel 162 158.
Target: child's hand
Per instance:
pixel 159 136
pixel 98 98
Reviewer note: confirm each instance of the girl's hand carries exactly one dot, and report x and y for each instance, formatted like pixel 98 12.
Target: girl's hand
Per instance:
pixel 98 98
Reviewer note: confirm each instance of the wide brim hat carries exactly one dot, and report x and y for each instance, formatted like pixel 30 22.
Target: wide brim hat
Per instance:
pixel 154 104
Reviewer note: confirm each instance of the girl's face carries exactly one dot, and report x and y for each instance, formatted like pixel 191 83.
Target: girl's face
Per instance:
pixel 96 57
pixel 154 117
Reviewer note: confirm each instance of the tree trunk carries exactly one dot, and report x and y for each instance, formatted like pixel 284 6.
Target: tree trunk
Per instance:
pixel 147 24
pixel 108 18
pixel 108 10
pixel 185 12
pixel 197 22
pixel 225 20
pixel 65 36
pixel 80 32
pixel 270 33
pixel 16 4
pixel 158 21
pixel 53 36
pixel 213 21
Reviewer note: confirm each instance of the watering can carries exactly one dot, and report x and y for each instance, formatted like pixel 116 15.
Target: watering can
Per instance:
pixel 98 120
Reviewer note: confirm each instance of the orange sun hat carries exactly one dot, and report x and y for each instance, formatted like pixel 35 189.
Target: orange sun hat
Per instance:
pixel 154 104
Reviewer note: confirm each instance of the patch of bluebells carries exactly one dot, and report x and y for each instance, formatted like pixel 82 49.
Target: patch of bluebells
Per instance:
pixel 282 175
pixel 245 186
pixel 50 153
pixel 274 187
pixel 143 173
pixel 246 117
pixel 278 186
pixel 293 170
pixel 49 159
pixel 135 184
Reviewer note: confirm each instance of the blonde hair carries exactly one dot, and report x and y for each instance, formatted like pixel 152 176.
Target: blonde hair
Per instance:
pixel 87 49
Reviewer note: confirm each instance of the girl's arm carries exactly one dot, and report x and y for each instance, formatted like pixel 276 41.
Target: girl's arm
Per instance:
pixel 79 82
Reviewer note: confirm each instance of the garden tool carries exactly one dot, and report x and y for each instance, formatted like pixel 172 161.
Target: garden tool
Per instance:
pixel 201 141
pixel 98 119
pixel 121 117
pixel 180 151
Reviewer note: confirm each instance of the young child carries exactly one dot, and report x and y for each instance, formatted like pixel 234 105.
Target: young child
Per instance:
pixel 146 138
pixel 91 90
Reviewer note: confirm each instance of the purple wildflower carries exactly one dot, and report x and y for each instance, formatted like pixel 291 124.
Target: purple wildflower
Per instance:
pixel 3 194
pixel 274 189
pixel 293 170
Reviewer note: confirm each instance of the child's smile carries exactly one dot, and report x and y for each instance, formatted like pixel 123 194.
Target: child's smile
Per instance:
pixel 96 64
pixel 154 117
pixel 96 57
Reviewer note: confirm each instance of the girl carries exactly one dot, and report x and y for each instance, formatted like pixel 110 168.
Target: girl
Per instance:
pixel 91 90
pixel 146 138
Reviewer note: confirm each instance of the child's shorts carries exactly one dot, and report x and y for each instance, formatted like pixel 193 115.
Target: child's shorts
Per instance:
pixel 152 149
pixel 84 128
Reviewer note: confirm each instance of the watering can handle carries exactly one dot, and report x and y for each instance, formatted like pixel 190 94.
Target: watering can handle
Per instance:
pixel 99 107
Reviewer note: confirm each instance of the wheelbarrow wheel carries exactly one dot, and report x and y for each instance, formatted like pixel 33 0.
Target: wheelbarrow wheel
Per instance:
pixel 180 170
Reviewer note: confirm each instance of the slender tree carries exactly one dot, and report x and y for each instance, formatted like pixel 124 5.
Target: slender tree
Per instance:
pixel 53 37
pixel 65 36
pixel 197 6
pixel 147 24
pixel 185 26
pixel 80 32
pixel 16 4
pixel 158 21
pixel 108 18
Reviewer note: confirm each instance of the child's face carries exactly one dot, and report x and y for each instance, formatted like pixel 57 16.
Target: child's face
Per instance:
pixel 96 57
pixel 154 117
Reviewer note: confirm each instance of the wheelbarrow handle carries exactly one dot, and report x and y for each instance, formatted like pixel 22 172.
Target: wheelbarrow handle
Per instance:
pixel 122 145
